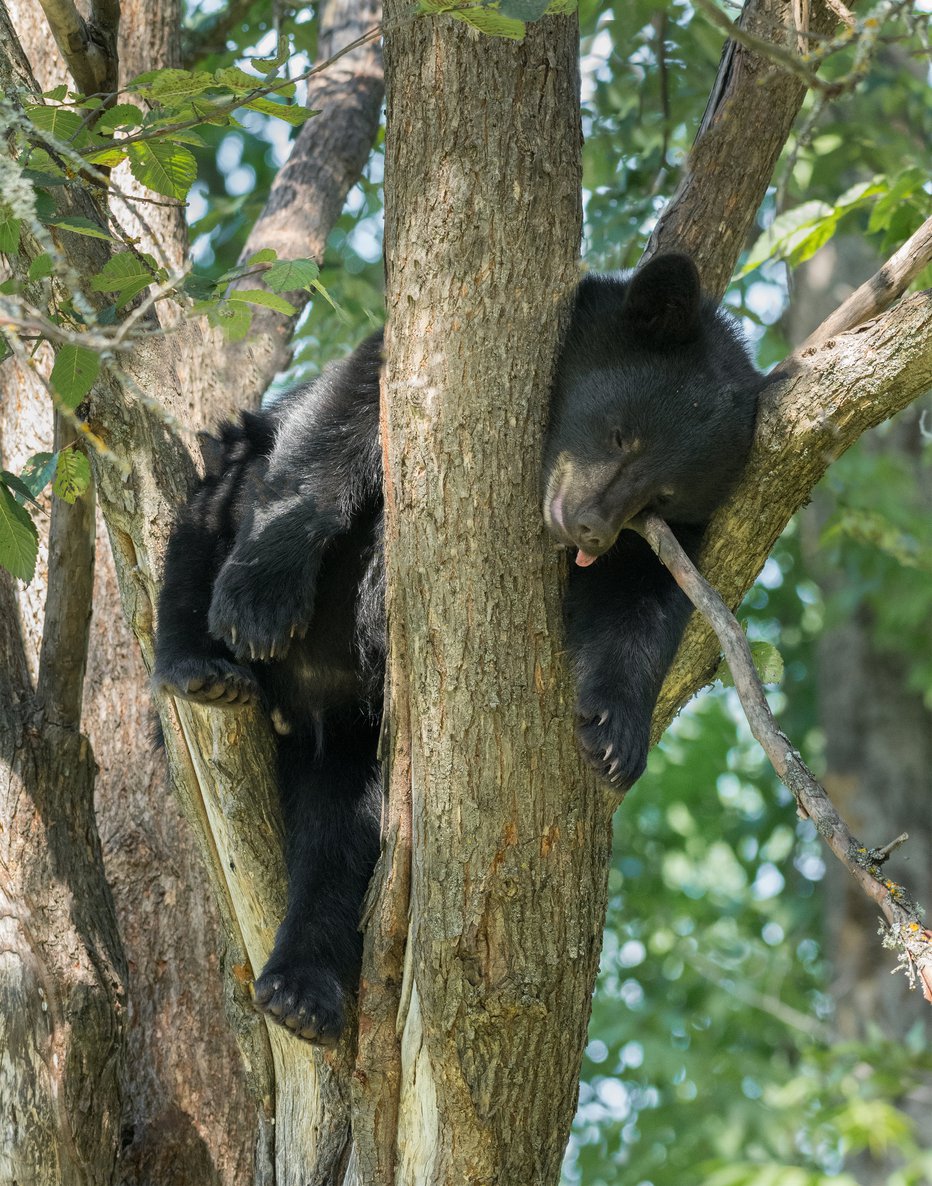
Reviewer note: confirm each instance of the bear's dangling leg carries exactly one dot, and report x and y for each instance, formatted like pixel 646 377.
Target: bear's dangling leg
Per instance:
pixel 331 800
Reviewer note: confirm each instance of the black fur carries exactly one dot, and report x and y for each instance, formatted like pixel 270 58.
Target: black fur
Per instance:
pixel 273 586
pixel 653 407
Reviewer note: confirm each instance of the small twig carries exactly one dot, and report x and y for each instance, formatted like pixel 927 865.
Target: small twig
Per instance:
pixel 905 930
pixel 883 288
pixel 879 855
pixel 232 105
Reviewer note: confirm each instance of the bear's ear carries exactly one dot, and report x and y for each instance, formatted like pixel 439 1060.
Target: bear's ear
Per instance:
pixel 663 299
pixel 213 453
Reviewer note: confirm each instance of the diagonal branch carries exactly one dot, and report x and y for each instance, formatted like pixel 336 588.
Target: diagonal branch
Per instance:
pixel 864 864
pixel 884 287
pixel 309 191
pixel 747 121
pixel 88 47
pixel 817 406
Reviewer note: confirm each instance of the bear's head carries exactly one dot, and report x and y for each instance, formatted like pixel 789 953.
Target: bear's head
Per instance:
pixel 653 406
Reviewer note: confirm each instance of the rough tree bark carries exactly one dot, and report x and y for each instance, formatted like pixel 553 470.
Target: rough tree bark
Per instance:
pixel 182 1118
pixel 510 838
pixel 470 992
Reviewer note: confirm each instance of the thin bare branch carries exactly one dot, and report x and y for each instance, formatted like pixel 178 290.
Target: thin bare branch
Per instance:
pixel 884 287
pixel 69 599
pixel 902 915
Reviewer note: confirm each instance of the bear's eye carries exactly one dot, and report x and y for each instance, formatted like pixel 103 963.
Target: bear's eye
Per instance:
pixel 623 442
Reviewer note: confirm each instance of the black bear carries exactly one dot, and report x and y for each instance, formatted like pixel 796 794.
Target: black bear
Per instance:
pixel 273 586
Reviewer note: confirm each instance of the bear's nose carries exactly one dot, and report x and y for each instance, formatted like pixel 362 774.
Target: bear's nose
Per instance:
pixel 594 533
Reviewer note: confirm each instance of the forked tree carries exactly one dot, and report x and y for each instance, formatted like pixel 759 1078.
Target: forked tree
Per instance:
pixel 484 921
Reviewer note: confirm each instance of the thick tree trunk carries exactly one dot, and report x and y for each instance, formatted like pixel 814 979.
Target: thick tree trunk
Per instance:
pixel 510 838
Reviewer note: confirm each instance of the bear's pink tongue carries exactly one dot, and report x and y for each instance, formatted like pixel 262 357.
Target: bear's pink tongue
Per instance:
pixel 583 559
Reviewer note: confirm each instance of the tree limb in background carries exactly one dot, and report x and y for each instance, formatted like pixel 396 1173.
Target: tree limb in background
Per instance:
pixel 69 598
pixel 818 404
pixel 883 288
pixel 309 190
pixel 748 118
pixel 863 863
pixel 88 47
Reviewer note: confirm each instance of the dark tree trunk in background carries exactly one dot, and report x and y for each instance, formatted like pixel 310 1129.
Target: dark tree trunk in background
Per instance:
pixel 878 733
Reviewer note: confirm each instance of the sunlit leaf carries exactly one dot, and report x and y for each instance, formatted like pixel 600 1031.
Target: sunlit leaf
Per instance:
pixel 72 475
pixel 19 540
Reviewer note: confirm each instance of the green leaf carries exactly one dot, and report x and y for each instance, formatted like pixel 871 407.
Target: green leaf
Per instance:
pixel 198 287
pixel 82 226
pixel 56 94
pixel 232 319
pixel 107 158
pixel 888 204
pixel 258 296
pixel 267 66
pixel 170 86
pixel 39 471
pixel 72 476
pixel 237 80
pixel 125 274
pixel 166 168
pixel 74 373
pixel 17 486
pixel 123 115
pixel 41 267
pixel 768 663
pixel 291 275
pixel 292 113
pixel 790 230
pixel 60 122
pixel 19 540
pixel 481 16
pixel 266 255
pixel 524 10
pixel 9 232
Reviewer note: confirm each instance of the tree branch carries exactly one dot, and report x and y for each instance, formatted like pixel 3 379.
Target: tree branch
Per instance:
pixel 746 123
pixel 862 863
pixel 88 47
pixel 883 288
pixel 817 406
pixel 308 193
pixel 69 600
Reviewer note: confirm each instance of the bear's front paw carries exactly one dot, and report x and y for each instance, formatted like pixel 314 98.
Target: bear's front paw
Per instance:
pixel 307 999
pixel 208 681
pixel 255 613
pixel 614 740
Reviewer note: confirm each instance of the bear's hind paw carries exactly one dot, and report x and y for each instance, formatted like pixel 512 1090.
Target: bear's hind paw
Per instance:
pixel 208 681
pixel 308 1001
